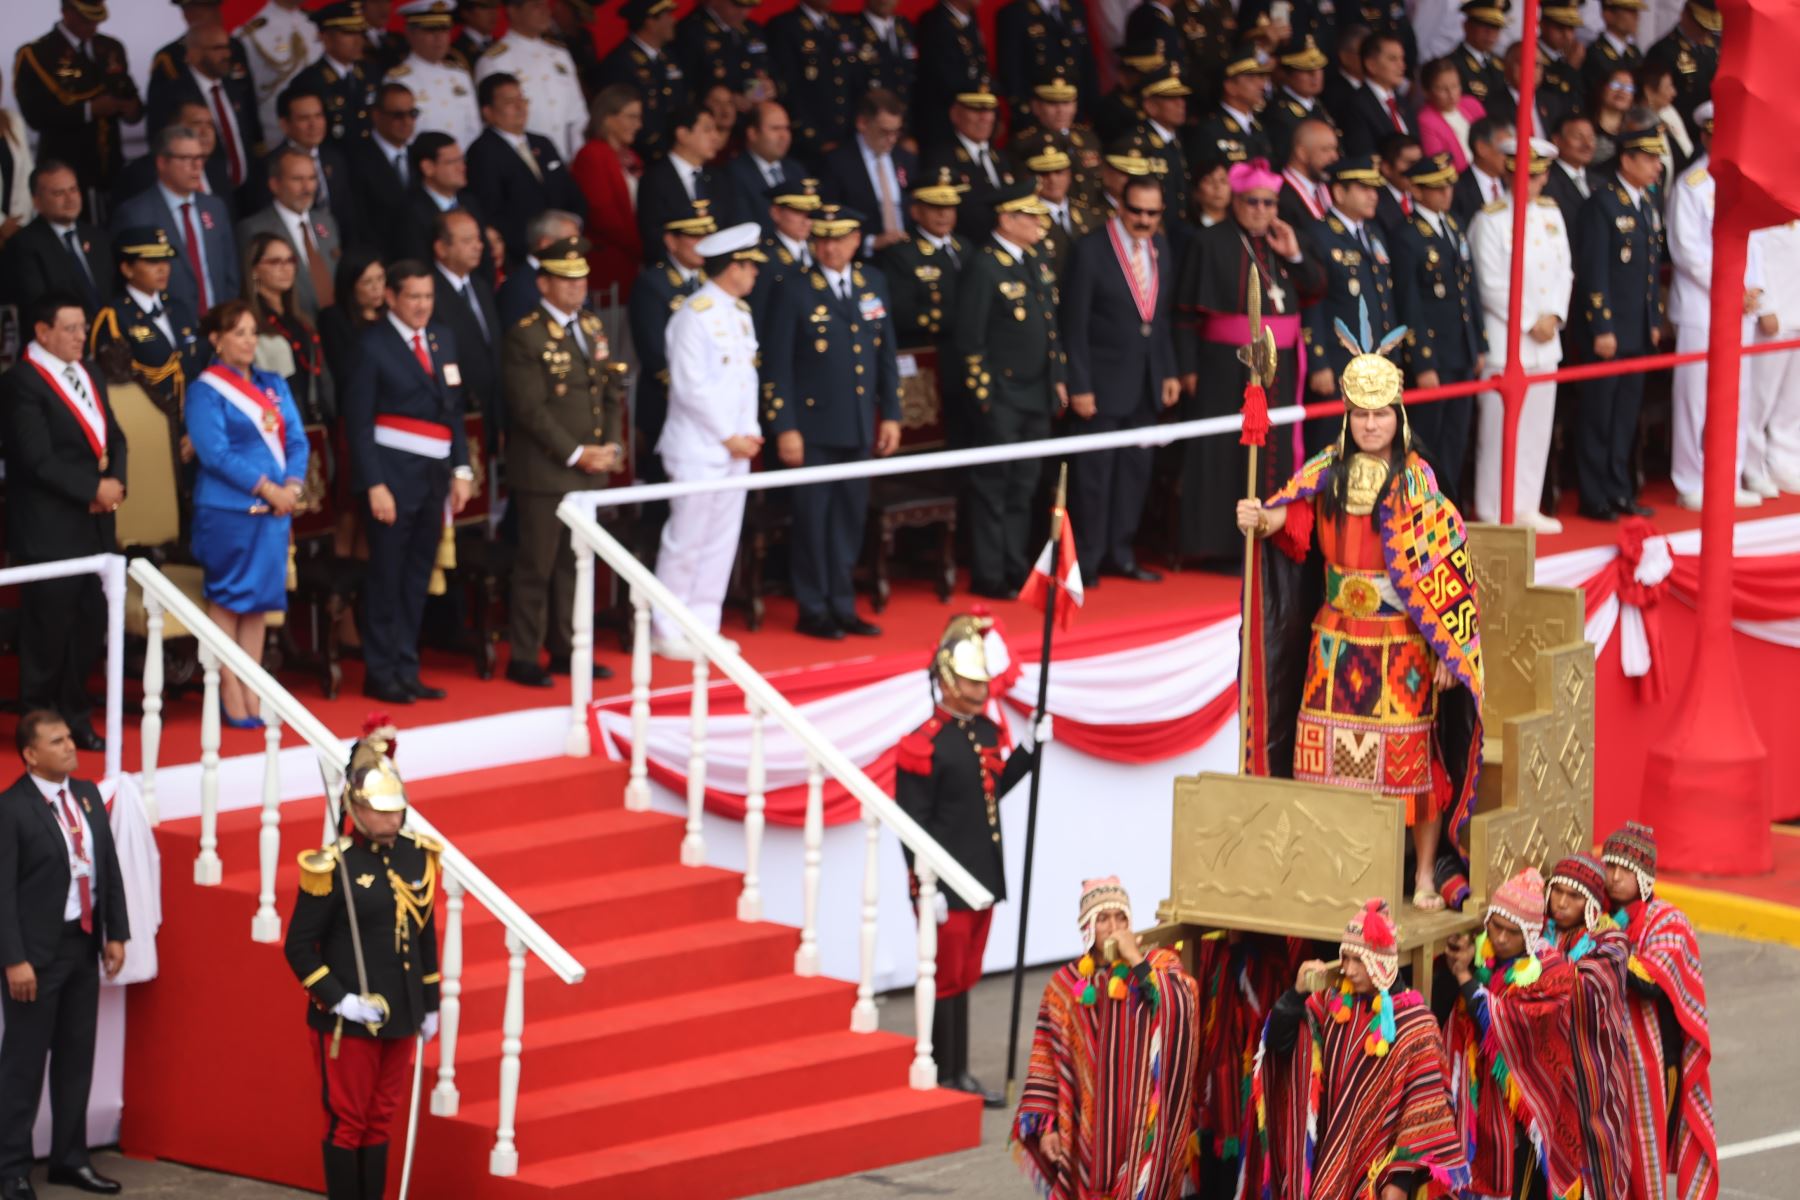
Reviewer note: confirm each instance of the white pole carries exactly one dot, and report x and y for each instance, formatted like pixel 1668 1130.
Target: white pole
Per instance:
pixel 693 846
pixel 112 582
pixel 445 1099
pixel 153 701
pixel 207 869
pixel 504 1158
pixel 266 925
pixel 581 653
pixel 637 791
pixel 863 1017
pixel 750 899
pixel 806 958
pixel 924 1069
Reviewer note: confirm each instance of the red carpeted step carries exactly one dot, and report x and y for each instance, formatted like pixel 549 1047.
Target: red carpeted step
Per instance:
pixel 590 908
pixel 671 1027
pixel 613 1109
pixel 609 839
pixel 778 1147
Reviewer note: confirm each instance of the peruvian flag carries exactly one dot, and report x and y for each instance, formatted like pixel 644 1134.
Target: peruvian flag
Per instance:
pixel 1068 573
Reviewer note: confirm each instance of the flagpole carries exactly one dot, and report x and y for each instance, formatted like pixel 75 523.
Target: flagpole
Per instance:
pixel 1058 515
pixel 1259 357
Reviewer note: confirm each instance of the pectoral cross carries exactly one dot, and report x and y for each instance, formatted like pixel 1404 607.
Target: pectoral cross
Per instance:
pixel 1277 296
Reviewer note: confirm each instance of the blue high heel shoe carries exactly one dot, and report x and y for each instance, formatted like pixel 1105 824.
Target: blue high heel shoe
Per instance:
pixel 242 722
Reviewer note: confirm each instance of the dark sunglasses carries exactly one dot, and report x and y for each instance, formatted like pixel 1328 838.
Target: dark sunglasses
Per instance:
pixel 1257 201
pixel 1135 211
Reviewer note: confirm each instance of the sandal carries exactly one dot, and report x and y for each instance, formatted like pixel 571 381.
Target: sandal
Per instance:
pixel 1428 901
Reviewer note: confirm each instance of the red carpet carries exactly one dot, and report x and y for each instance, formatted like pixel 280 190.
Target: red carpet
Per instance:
pixel 1782 886
pixel 690 1063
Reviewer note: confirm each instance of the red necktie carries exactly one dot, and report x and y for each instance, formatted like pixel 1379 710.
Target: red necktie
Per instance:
pixel 228 137
pixel 1406 204
pixel 420 354
pixel 1394 112
pixel 193 250
pixel 84 884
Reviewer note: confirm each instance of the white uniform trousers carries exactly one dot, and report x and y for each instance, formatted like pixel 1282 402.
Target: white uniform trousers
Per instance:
pixel 1687 467
pixel 699 544
pixel 1772 416
pixel 1535 422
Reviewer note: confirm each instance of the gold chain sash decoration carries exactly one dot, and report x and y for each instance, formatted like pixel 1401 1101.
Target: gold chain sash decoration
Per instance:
pixel 413 902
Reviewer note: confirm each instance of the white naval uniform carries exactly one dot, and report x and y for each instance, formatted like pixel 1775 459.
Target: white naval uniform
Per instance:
pixel 279 42
pixel 546 74
pixel 1549 277
pixel 444 95
pixel 1771 413
pixel 712 396
pixel 1690 233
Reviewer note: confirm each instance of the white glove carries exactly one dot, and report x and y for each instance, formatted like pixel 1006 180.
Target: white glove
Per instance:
pixel 943 908
pixel 1044 732
pixel 428 1027
pixel 354 1008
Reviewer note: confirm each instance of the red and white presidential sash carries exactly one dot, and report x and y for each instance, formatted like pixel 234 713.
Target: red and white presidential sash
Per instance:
pixel 427 439
pixel 1144 297
pixel 259 404
pixel 1308 191
pixel 85 416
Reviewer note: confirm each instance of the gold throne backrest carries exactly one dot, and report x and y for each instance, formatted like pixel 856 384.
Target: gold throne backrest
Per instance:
pixel 150 514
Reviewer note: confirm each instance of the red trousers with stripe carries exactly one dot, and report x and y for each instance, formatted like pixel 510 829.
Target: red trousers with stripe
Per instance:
pixel 962 941
pixel 362 1087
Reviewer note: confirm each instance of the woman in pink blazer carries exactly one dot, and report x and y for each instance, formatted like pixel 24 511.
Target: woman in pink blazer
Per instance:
pixel 606 170
pixel 1446 114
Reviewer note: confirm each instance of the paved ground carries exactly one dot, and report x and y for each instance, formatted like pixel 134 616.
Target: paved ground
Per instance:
pixel 1756 1088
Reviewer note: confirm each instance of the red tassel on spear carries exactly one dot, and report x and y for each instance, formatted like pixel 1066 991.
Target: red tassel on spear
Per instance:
pixel 1259 357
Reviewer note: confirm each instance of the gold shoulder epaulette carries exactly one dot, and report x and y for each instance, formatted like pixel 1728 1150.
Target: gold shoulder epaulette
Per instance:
pixel 530 318
pixel 699 303
pixel 399 72
pixel 1497 205
pixel 1547 202
pixel 743 306
pixel 589 322
pixel 1695 177
pixel 317 868
pixel 428 844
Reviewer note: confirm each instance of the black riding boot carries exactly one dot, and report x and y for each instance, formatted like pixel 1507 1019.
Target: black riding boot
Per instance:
pixel 374 1171
pixel 341 1179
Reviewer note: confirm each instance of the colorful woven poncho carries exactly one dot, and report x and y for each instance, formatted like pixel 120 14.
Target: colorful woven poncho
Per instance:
pixel 1239 983
pixel 1602 1024
pixel 1115 1078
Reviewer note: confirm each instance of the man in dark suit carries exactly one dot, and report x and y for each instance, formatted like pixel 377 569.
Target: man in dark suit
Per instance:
pixel 403 413
pixel 953 59
pixel 75 88
pixel 307 226
pixel 643 61
pixel 440 184
pixel 338 74
pixel 230 97
pixel 1036 41
pixel 465 305
pixel 768 136
pixel 821 406
pixel 57 251
pixel 62 917
pixel 1570 182
pixel 1394 200
pixel 206 271
pixel 860 174
pixel 1376 109
pixel 379 170
pixel 304 126
pixel 65 476
pixel 972 160
pixel 215 180
pixel 171 61
pixel 1486 180
pixel 672 184
pixel 817 72
pixel 1117 302
pixel 516 174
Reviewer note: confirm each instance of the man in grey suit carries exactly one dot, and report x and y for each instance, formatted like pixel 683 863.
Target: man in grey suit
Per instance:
pixel 309 228
pixel 206 269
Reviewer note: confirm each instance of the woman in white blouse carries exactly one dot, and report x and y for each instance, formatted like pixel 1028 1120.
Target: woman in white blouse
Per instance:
pixel 15 176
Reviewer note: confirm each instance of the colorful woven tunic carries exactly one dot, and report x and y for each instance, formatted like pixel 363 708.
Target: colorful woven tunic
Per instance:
pixel 1602 1059
pixel 1240 979
pixel 1114 1075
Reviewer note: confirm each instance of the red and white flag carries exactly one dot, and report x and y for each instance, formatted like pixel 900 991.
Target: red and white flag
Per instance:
pixel 1068 574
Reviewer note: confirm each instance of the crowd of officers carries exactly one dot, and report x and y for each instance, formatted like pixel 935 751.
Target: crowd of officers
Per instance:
pixel 917 186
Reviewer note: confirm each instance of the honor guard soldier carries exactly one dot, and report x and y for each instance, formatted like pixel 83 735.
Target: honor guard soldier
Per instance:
pixel 1357 270
pixel 443 93
pixel 1438 299
pixel 953 60
pixel 968 153
pixel 658 292
pixel 1691 52
pixel 953 771
pixel 643 61
pixel 712 432
pixel 1164 98
pixel 1476 63
pixel 1233 132
pixel 922 271
pixel 788 245
pixel 170 62
pixel 1037 40
pixel 340 75
pixel 887 50
pixel 1300 81
pixel 565 402
pixel 833 394
pixel 75 89
pixel 546 73
pixel 716 43
pixel 1069 218
pixel 363 942
pixel 1618 246
pixel 1004 344
pixel 281 41
pixel 478 19
pixel 818 74
pixel 153 331
pixel 1118 113
pixel 1052 125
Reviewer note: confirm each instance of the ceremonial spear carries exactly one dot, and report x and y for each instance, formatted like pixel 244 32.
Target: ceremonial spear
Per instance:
pixel 1259 357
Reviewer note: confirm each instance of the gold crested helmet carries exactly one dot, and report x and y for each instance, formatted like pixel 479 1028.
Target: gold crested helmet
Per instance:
pixel 1370 380
pixel 962 650
pixel 373 780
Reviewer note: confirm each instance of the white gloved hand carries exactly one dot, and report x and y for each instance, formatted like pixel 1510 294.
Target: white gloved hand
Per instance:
pixel 1044 732
pixel 355 1008
pixel 943 908
pixel 429 1026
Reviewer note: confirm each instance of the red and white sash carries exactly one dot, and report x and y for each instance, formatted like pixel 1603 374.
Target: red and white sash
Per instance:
pixel 1307 190
pixel 427 439
pixel 259 404
pixel 1145 299
pixel 91 418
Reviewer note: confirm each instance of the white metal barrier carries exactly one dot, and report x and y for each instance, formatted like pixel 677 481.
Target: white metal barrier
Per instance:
pixel 460 876
pixel 111 570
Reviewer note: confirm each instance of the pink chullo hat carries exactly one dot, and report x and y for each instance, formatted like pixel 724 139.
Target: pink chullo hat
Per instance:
pixel 1520 900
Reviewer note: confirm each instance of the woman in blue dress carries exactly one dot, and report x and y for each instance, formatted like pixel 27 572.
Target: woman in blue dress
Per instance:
pixel 251 450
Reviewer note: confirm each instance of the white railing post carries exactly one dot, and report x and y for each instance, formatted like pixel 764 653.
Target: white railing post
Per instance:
pixel 863 1017
pixel 504 1158
pixel 444 1097
pixel 693 846
pixel 581 653
pixel 750 899
pixel 153 701
pixel 266 925
pixel 806 958
pixel 207 868
pixel 924 1067
pixel 637 791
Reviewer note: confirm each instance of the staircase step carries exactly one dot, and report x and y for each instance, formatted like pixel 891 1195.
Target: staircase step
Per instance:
pixel 615 1109
pixel 607 839
pixel 774 1149
pixel 621 903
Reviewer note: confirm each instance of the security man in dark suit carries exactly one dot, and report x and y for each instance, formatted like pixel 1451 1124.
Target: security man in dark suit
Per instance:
pixel 953 59
pixel 1233 131
pixel 1164 98
pixel 57 251
pixel 923 270
pixel 1013 370
pixel 65 477
pixel 62 918
pixel 511 189
pixel 75 88
pixel 971 158
pixel 818 74
pixel 1439 301
pixel 566 400
pixel 831 394
pixel 465 305
pixel 1034 43
pixel 643 61
pixel 1358 270
pixel 887 50
pixel 1618 247
pixel 403 413
pixel 1050 124
pixel 152 331
pixel 384 879
pixel 339 74
pixel 788 210
pixel 659 288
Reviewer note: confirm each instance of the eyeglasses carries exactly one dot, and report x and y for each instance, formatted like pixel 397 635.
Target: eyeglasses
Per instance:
pixel 401 114
pixel 1620 87
pixel 1135 211
pixel 1257 201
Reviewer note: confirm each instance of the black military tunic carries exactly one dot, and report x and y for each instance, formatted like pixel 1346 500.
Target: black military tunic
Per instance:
pixel 349 96
pixel 660 81
pixel 712 52
pixel 952 59
pixel 162 368
pixel 1168 163
pixel 1558 89
pixel 1357 270
pixel 55 83
pixel 952 775
pixel 1060 241
pixel 892 66
pixel 1033 45
pixel 819 74
pixel 922 282
pixel 1484 80
pixel 659 289
pixel 974 217
pixel 1603 59
pixel 1283 116
pixel 1692 65
pixel 1080 143
pixel 1221 136
pixel 1438 299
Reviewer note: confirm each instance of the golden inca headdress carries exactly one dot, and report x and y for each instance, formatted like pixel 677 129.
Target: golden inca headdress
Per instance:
pixel 1370 380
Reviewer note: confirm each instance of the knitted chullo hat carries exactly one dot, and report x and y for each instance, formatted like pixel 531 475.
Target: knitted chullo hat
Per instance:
pixel 1097 896
pixel 1583 874
pixel 1634 848
pixel 1520 900
pixel 1372 937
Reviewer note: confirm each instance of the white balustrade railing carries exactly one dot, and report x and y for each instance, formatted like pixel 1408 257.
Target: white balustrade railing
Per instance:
pixel 111 570
pixel 460 876
pixel 932 864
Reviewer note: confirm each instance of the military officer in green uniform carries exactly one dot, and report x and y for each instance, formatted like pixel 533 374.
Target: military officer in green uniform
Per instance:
pixel 565 407
pixel 1068 218
pixel 338 75
pixel 659 289
pixel 1691 52
pixel 1052 125
pixel 1164 98
pixel 922 270
pixel 1004 344
pixel 788 248
pixel 642 60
